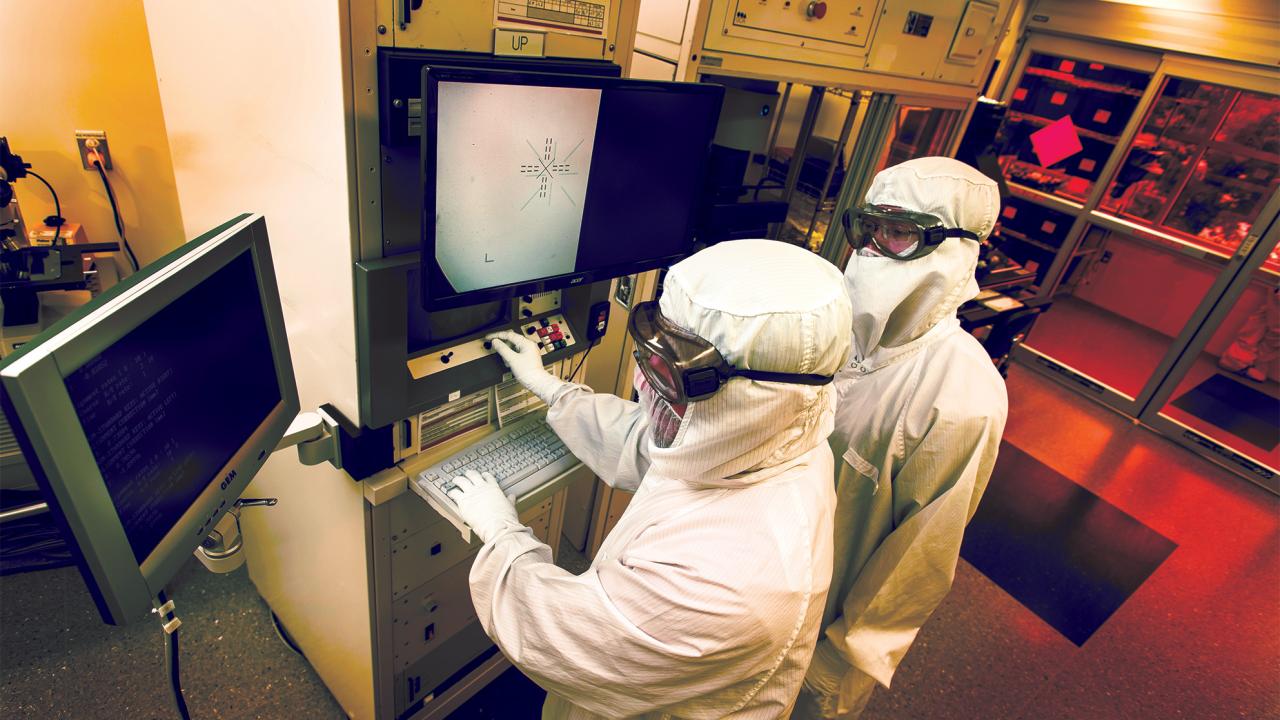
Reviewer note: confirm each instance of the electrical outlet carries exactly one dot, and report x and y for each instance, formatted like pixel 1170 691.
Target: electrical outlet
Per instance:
pixel 93 140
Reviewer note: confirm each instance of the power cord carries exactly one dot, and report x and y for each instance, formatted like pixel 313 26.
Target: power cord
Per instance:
pixel 170 622
pixel 55 220
pixel 574 374
pixel 115 211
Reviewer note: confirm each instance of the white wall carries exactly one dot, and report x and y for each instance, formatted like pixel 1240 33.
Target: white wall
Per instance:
pixel 71 66
pixel 252 93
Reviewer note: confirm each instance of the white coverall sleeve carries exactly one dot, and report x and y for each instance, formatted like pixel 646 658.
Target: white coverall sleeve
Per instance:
pixel 935 493
pixel 582 638
pixel 608 434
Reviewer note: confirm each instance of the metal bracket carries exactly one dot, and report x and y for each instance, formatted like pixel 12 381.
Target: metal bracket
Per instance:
pixel 316 436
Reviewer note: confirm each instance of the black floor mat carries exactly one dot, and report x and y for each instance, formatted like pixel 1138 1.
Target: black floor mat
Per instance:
pixel 1245 412
pixel 1069 556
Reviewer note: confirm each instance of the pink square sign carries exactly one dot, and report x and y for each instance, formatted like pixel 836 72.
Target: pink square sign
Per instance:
pixel 1056 141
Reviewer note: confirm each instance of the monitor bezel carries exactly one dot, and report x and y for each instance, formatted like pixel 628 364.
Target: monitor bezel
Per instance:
pixel 432 76
pixel 57 448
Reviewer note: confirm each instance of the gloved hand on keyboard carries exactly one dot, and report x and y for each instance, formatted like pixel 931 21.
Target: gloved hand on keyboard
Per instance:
pixel 523 357
pixel 482 505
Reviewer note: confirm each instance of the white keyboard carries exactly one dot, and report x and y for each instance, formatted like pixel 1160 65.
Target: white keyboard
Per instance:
pixel 522 456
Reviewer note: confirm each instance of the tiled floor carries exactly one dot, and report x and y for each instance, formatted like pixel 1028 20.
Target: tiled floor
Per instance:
pixel 1199 639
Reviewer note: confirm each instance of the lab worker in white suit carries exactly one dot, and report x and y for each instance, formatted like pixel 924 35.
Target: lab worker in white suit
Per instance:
pixel 705 600
pixel 919 416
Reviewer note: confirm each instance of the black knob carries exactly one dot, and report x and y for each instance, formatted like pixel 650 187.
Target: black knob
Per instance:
pixel 530 330
pixel 526 312
pixel 488 344
pixel 445 358
pixel 527 298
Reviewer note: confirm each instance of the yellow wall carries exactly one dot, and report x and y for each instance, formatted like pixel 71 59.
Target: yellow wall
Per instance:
pixel 70 65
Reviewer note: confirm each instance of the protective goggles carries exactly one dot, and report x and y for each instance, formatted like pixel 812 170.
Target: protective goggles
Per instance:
pixel 896 233
pixel 683 367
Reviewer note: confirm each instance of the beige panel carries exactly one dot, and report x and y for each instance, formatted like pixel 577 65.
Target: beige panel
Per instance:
pixel 842 22
pixel 424 619
pixel 1244 37
pixel 644 67
pixel 663 19
pixel 436 611
pixel 726 31
pixel 901 53
pixel 802 51
pixel 976 28
pixel 468 27
pixel 94 72
pixel 421 556
pixel 228 107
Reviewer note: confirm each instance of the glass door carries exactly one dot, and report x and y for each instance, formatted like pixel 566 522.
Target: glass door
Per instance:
pixel 1071 108
pixel 1222 398
pixel 808 160
pixel 1138 246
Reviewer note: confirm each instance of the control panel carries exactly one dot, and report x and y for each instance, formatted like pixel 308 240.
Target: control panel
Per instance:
pixel 847 22
pixel 940 44
pixel 935 39
pixel 551 333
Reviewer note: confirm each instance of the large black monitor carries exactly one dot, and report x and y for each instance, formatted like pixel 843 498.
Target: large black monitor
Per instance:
pixel 537 181
pixel 146 413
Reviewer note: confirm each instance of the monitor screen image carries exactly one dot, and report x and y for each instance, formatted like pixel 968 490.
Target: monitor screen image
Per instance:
pixel 158 421
pixel 536 181
pixel 512 167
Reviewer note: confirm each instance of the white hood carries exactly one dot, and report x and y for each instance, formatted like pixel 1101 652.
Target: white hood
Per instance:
pixel 765 305
pixel 895 301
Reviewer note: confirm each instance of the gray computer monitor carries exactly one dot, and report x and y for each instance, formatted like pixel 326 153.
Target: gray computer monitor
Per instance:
pixel 146 413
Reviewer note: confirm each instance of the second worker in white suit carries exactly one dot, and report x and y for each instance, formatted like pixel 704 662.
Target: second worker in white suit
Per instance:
pixel 706 599
pixel 918 423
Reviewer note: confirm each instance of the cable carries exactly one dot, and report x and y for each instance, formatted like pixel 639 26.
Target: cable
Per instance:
pixel 574 374
pixel 55 221
pixel 115 211
pixel 171 623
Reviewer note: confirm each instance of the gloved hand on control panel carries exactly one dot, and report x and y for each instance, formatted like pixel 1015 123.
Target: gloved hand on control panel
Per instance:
pixel 482 504
pixel 525 360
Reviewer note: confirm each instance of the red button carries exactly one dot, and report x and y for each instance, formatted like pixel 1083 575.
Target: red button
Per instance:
pixel 543 332
pixel 556 336
pixel 555 327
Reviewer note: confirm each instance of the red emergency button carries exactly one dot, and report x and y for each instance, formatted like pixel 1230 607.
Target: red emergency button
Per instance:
pixel 816 10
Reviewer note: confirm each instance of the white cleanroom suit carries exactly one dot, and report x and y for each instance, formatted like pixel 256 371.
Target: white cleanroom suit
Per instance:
pixel 706 599
pixel 919 416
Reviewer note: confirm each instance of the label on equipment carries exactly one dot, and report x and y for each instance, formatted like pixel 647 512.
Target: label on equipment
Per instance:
pixel 525 43
pixel 578 17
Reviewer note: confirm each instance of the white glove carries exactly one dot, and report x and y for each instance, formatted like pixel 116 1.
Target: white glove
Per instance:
pixel 525 360
pixel 482 505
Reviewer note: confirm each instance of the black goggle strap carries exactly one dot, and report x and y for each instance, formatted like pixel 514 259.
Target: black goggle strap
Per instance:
pixel 794 378
pixel 706 381
pixel 960 233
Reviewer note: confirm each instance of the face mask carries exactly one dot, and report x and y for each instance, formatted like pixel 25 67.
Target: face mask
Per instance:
pixel 664 418
pixel 896 301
